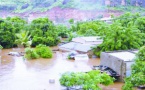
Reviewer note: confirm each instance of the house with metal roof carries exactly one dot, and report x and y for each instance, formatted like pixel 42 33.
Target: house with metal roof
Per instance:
pixel 81 44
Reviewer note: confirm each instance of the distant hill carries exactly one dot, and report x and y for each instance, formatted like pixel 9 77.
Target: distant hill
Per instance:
pixel 63 10
pixel 44 5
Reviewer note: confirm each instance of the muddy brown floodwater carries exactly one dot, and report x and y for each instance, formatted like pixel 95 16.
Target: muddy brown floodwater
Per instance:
pixel 16 73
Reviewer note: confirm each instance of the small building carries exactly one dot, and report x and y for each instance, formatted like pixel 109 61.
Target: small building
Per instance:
pixel 119 61
pixel 82 45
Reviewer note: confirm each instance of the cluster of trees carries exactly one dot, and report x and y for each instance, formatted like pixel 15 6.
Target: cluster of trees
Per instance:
pixel 125 32
pixel 16 31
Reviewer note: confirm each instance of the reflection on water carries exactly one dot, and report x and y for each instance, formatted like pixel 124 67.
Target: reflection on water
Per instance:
pixel 16 73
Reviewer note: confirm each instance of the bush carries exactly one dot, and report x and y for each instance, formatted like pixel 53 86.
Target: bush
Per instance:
pixel 38 40
pixel 137 71
pixel 86 81
pixel 44 51
pixel 30 54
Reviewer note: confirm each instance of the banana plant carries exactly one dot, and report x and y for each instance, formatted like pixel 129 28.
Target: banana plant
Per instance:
pixel 23 39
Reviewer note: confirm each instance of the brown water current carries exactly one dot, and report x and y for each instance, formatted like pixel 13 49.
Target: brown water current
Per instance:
pixel 17 73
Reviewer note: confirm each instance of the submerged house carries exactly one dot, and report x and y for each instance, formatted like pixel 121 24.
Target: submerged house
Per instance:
pixel 119 61
pixel 82 45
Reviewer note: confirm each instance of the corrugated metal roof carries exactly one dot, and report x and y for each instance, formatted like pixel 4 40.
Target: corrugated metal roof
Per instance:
pixel 76 46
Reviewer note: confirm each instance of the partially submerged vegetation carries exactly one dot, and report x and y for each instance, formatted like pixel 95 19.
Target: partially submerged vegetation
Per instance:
pixel 125 32
pixel 85 81
pixel 41 51
pixel 137 72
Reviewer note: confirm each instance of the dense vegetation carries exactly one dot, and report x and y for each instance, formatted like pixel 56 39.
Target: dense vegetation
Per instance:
pixel 16 31
pixel 8 29
pixel 137 71
pixel 122 34
pixel 43 31
pixel 41 51
pixel 125 32
pixel 85 81
pixel 30 54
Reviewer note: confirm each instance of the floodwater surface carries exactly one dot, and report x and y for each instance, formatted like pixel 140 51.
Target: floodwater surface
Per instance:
pixel 17 73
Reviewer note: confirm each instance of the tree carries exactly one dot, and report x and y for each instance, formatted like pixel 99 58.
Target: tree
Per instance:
pixel 120 38
pixel 137 71
pixel 7 34
pixel 43 29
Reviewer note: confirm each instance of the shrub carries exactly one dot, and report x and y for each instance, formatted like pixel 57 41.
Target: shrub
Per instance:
pixel 137 71
pixel 30 54
pixel 85 81
pixel 43 51
pixel 38 40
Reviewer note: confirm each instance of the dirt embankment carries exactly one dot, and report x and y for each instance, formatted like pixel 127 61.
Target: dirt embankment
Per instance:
pixel 61 15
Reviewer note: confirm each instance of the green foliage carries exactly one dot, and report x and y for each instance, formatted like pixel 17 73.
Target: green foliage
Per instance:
pixel 7 34
pixel 18 23
pixel 121 35
pixel 16 31
pixel 30 54
pixel 127 18
pixel 42 29
pixel 50 41
pixel 44 51
pixel 62 31
pixel 90 32
pixel 87 81
pixel 9 27
pixel 71 21
pixel 23 39
pixel 1 47
pixel 99 28
pixel 38 40
pixel 138 71
pixel 140 24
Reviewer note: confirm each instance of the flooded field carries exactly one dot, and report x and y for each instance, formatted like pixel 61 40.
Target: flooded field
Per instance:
pixel 17 73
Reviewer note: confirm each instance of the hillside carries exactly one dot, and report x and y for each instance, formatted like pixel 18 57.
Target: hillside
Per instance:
pixel 20 6
pixel 63 10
